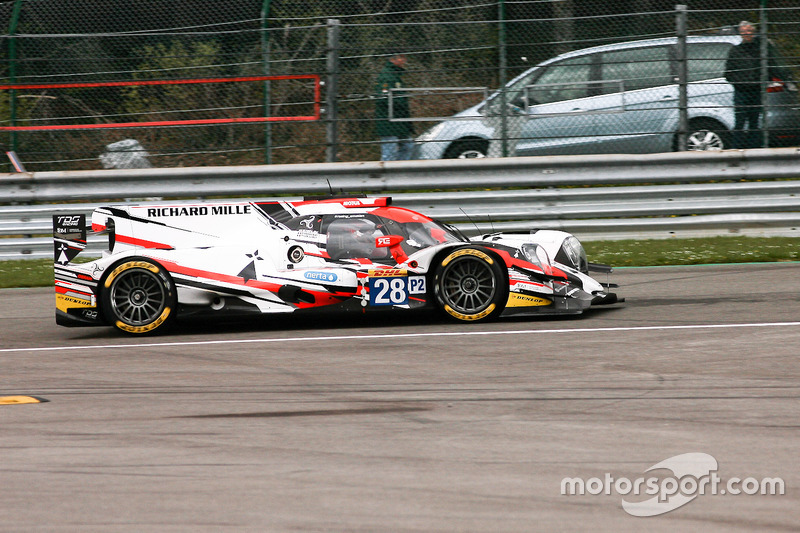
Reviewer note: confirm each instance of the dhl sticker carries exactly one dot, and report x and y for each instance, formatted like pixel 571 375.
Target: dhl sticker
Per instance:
pixel 388 273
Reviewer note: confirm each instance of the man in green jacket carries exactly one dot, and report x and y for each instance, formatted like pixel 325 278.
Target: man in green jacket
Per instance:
pixel 396 137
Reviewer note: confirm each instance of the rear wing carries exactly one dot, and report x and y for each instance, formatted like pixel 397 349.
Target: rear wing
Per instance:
pixel 69 237
pixel 76 289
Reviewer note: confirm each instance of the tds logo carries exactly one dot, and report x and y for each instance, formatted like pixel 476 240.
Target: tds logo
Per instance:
pixel 69 220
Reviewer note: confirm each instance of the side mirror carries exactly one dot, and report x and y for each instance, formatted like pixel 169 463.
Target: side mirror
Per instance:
pixel 392 242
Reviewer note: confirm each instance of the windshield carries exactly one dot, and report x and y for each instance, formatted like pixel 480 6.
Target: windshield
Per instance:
pixel 418 231
pixel 350 236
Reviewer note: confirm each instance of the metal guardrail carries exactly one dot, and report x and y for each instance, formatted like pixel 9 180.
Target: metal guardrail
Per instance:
pixel 381 177
pixel 707 193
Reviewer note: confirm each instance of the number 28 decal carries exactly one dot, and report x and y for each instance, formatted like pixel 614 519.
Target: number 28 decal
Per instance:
pixel 394 290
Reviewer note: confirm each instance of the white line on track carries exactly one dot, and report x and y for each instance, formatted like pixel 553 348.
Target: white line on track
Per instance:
pixel 400 336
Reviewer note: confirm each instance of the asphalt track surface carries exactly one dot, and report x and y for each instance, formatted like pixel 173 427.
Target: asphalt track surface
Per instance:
pixel 409 423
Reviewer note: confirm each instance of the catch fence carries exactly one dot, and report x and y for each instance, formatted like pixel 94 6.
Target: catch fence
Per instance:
pixel 621 98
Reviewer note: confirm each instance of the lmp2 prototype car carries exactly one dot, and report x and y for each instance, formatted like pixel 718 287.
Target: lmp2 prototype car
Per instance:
pixel 168 261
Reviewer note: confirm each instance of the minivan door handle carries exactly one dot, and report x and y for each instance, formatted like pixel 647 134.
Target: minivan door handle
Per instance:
pixel 669 97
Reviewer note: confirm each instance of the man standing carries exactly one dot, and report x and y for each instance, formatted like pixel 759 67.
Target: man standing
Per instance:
pixel 743 71
pixel 396 137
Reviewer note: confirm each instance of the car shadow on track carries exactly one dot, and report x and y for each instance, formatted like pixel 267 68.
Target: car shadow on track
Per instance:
pixel 349 321
pixel 344 323
pixel 319 320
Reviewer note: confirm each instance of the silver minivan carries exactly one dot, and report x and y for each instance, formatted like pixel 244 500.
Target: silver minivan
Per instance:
pixel 620 98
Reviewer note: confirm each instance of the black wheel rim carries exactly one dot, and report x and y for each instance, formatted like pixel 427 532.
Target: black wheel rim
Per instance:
pixel 138 297
pixel 468 285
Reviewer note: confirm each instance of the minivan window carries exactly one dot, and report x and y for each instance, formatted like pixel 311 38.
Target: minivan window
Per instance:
pixel 638 68
pixel 706 61
pixel 565 80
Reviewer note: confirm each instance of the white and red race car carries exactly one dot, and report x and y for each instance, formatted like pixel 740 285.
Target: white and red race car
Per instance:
pixel 170 261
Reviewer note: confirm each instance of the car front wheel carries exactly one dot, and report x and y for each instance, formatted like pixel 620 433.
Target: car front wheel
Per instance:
pixel 470 286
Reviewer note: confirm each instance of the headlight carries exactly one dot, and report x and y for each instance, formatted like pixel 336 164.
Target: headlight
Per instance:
pixel 537 255
pixel 573 254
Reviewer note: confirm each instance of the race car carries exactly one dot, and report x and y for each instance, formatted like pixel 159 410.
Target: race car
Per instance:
pixel 174 261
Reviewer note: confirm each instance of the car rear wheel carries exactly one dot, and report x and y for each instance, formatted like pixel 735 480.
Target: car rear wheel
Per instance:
pixel 707 134
pixel 470 285
pixel 139 297
pixel 469 149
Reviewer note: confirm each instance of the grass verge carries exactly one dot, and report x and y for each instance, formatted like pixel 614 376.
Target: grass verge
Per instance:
pixel 712 250
pixel 715 250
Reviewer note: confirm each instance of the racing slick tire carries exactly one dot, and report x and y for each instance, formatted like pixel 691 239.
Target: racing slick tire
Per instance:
pixel 138 297
pixel 470 285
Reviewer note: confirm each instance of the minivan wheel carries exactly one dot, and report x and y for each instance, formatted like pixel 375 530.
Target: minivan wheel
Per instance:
pixel 470 149
pixel 706 135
